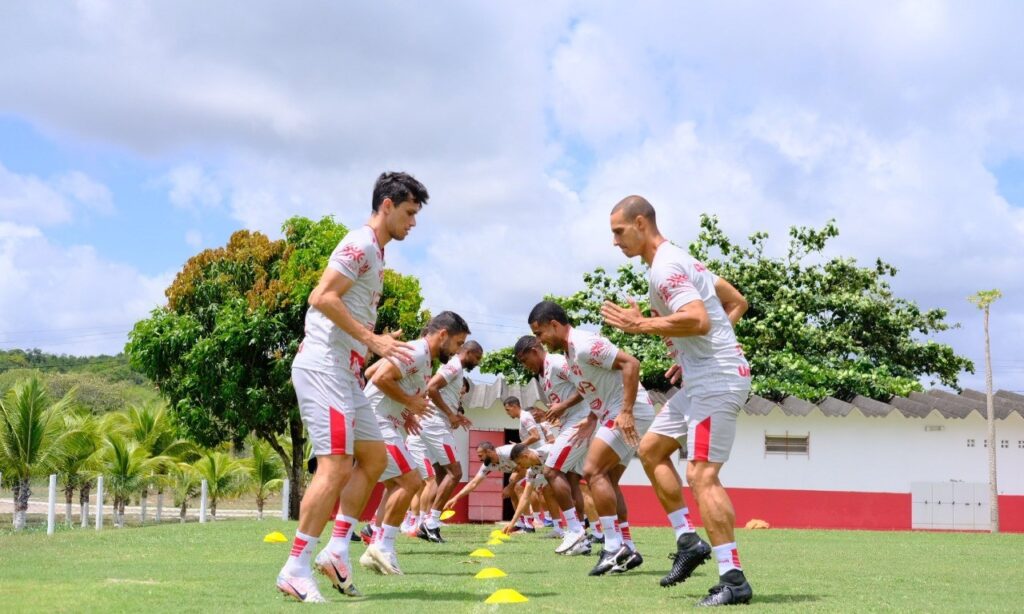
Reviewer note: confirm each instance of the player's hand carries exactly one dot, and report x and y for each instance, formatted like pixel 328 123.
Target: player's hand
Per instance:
pixel 412 423
pixel 626 319
pixel 508 490
pixel 674 375
pixel 584 431
pixel 626 423
pixel 418 405
pixel 509 529
pixel 457 420
pixel 389 346
pixel 449 504
pixel 554 412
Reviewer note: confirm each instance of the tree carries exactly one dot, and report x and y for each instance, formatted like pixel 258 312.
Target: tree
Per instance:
pixel 127 468
pixel 225 476
pixel 983 300
pixel 185 482
pixel 77 466
pixel 816 327
pixel 33 439
pixel 221 349
pixel 266 472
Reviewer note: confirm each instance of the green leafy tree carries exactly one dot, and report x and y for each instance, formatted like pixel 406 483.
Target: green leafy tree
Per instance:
pixel 127 468
pixel 225 476
pixel 816 326
pixel 221 349
pixel 33 439
pixel 75 469
pixel 184 482
pixel 266 472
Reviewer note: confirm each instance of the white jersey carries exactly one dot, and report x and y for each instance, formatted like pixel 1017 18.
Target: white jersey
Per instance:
pixel 504 464
pixel 538 470
pixel 558 385
pixel 453 374
pixel 325 347
pixel 713 362
pixel 590 358
pixel 527 423
pixel 415 372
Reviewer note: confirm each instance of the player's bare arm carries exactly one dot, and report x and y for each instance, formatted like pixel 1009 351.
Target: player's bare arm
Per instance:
pixel 524 501
pixel 733 302
pixel 326 297
pixel 468 488
pixel 437 382
pixel 630 367
pixel 386 378
pixel 557 410
pixel 691 320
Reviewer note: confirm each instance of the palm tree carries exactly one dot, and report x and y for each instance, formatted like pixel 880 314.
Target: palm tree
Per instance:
pixel 266 474
pixel 32 438
pixel 154 429
pixel 984 300
pixel 225 476
pixel 184 482
pixel 126 466
pixel 77 466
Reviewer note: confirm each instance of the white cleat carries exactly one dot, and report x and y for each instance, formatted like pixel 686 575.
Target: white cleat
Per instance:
pixel 368 561
pixel 571 539
pixel 302 588
pixel 556 533
pixel 338 571
pixel 388 561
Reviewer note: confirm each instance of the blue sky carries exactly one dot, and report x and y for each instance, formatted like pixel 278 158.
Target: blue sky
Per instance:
pixel 131 136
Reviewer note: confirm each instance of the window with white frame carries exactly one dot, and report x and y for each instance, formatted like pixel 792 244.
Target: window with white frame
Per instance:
pixel 787 444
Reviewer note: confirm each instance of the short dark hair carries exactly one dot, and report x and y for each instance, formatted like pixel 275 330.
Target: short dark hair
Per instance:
pixel 525 344
pixel 546 311
pixel 399 187
pixel 633 206
pixel 466 384
pixel 486 446
pixel 512 401
pixel 472 347
pixel 517 451
pixel 449 321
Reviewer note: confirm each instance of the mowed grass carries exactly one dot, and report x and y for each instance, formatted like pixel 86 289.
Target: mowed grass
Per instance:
pixel 226 567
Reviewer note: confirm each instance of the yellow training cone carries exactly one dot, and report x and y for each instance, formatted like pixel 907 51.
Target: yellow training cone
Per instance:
pixel 489 573
pixel 276 537
pixel 498 534
pixel 445 515
pixel 506 595
pixel 495 542
pixel 482 553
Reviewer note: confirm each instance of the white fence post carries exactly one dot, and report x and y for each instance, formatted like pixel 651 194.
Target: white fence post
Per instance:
pixel 99 503
pixel 51 509
pixel 142 503
pixel 202 503
pixel 159 505
pixel 285 495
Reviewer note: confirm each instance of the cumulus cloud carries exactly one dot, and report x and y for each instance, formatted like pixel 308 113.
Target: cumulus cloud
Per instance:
pixel 31 200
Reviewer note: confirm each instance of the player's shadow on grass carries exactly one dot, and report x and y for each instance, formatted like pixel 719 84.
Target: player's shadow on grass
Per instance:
pixel 759 598
pixel 427 595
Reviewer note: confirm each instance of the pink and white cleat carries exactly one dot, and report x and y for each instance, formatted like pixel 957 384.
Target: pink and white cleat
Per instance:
pixel 338 571
pixel 302 588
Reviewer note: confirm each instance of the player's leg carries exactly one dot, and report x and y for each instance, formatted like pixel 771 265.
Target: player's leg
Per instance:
pixel 601 464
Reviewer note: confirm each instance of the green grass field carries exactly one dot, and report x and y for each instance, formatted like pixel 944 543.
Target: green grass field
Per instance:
pixel 226 567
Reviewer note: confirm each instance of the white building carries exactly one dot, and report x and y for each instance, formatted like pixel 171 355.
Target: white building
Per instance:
pixel 917 462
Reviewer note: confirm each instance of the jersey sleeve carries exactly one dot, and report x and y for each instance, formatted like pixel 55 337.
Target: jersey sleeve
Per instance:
pixel 674 285
pixel 528 422
pixel 484 470
pixel 601 353
pixel 350 257
pixel 449 372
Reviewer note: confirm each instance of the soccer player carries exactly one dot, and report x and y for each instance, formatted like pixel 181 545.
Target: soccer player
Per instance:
pixel 609 381
pixel 492 459
pixel 531 461
pixel 694 311
pixel 530 432
pixel 436 432
pixel 564 466
pixel 397 393
pixel 327 376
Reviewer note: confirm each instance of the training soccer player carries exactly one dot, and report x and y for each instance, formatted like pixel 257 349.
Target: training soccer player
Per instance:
pixel 327 377
pixel 398 395
pixel 620 411
pixel 694 311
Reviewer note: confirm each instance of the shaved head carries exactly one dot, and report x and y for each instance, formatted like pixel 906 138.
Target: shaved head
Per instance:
pixel 633 206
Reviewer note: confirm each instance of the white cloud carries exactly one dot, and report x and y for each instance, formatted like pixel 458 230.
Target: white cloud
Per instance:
pixel 194 238
pixel 191 187
pixel 27 199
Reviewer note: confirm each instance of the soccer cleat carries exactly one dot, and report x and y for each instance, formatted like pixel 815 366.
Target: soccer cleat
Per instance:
pixel 555 533
pixel 302 588
pixel 390 563
pixel 580 549
pixel 731 590
pixel 632 561
pixel 384 563
pixel 691 552
pixel 598 538
pixel 434 535
pixel 367 533
pixel 368 561
pixel 529 529
pixel 571 539
pixel 337 570
pixel 610 560
pixel 549 523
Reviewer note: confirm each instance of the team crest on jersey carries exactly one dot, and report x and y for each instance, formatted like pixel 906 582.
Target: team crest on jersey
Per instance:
pixel 596 404
pixel 364 268
pixel 351 252
pixel 700 268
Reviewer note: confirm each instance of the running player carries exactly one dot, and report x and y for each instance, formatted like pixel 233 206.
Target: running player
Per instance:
pixel 620 412
pixel 492 459
pixel 327 376
pixel 694 311
pixel 397 394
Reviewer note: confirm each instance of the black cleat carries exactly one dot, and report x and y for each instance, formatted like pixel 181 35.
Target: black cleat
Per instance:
pixel 634 560
pixel 609 561
pixel 691 552
pixel 732 589
pixel 529 529
pixel 421 532
pixel 431 535
pixel 597 539
pixel 366 533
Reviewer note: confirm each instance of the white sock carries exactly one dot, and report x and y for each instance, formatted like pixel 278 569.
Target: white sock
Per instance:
pixel 387 540
pixel 423 518
pixel 680 521
pixel 545 516
pixel 598 528
pixel 573 521
pixel 728 557
pixel 375 534
pixel 612 539
pixel 627 538
pixel 299 560
pixel 341 535
pixel 434 520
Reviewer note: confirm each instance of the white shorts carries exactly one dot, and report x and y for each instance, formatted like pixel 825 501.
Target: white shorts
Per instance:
pixel 565 457
pixel 612 436
pixel 400 461
pixel 704 425
pixel 334 410
pixel 536 477
pixel 419 456
pixel 438 444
